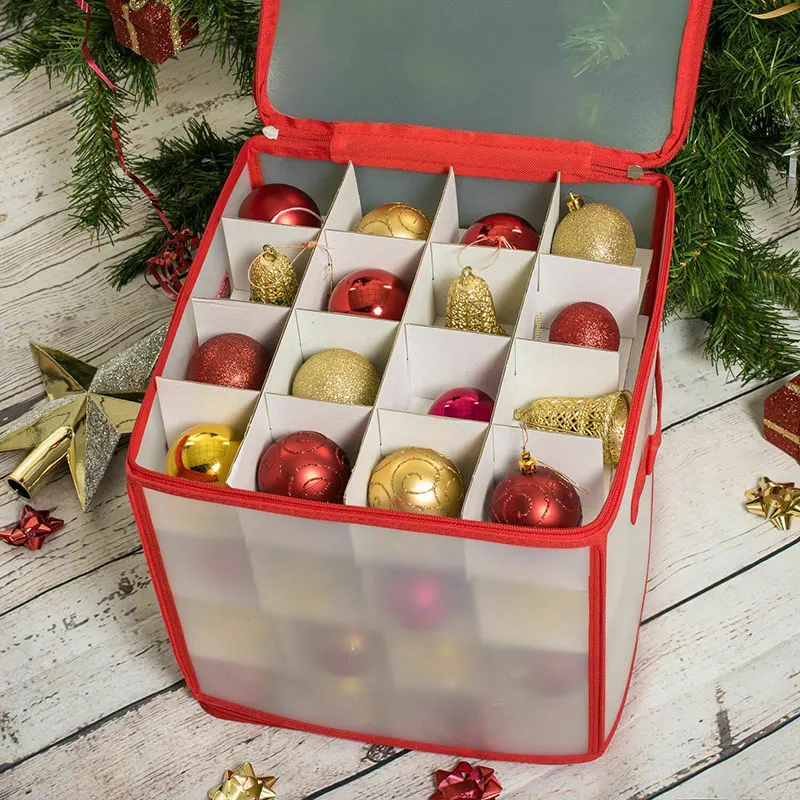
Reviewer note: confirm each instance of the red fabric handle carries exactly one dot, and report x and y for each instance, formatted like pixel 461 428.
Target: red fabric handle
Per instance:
pixel 650 446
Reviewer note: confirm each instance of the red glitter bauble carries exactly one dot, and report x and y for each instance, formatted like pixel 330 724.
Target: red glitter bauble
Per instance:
pixel 281 203
pixel 344 651
pixel 543 499
pixel 370 293
pixel 230 359
pixel 463 403
pixel 305 464
pixel 416 600
pixel 516 232
pixel 586 325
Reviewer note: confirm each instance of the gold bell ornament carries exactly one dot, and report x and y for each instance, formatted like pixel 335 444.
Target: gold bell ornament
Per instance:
pixel 596 232
pixel 272 278
pixel 398 220
pixel 603 417
pixel 470 306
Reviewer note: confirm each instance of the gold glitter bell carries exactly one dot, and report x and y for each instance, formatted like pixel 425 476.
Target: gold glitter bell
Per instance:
pixel 398 220
pixel 470 306
pixel 595 232
pixel 603 417
pixel 272 278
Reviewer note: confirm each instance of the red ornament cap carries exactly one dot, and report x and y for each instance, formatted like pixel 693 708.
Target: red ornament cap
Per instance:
pixel 586 325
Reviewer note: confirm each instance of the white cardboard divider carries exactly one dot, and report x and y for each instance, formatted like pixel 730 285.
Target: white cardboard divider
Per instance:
pixel 240 191
pixel 215 267
pixel 354 251
pixel 183 345
pixel 263 323
pixel 552 217
pixel 445 224
pixel 459 440
pixel 428 361
pixel 635 355
pixel 345 211
pixel 153 449
pixel 544 369
pixel 245 239
pixel 308 332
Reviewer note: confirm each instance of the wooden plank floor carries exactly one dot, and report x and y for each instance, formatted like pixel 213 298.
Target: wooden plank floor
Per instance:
pixel 92 704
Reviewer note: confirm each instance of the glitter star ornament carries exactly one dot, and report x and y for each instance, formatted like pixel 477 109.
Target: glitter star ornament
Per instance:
pixel 88 410
pixel 244 784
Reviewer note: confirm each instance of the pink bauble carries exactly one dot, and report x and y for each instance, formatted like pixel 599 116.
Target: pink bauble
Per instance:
pixel 416 600
pixel 465 402
pixel 505 230
pixel 230 359
pixel 586 325
pixel 370 293
pixel 281 203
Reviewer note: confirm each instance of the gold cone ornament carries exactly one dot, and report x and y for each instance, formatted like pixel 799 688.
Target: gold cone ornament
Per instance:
pixel 596 232
pixel 603 417
pixel 470 306
pixel 88 410
pixel 273 280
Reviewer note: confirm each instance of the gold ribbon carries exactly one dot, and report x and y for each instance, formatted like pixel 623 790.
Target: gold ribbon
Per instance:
pixel 244 784
pixel 776 502
pixel 778 12
pixel 792 437
pixel 174 23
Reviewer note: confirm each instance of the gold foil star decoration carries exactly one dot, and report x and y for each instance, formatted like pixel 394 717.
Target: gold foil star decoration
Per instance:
pixel 87 411
pixel 244 784
pixel 776 502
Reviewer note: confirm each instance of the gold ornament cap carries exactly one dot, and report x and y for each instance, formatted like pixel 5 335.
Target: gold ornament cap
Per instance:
pixel 398 220
pixel 470 306
pixel 203 453
pixel 273 280
pixel 337 376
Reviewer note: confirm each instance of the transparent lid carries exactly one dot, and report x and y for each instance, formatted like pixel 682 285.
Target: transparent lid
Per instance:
pixel 602 71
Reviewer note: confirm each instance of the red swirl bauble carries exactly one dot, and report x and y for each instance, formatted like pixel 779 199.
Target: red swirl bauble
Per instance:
pixel 306 465
pixel 464 402
pixel 543 499
pixel 416 600
pixel 586 325
pixel 370 293
pixel 230 359
pixel 281 203
pixel 516 232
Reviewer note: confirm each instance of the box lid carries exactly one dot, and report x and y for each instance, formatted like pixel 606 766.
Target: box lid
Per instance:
pixel 491 88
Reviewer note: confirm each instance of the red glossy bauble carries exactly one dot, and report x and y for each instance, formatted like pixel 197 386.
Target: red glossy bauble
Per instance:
pixel 344 651
pixel 543 499
pixel 281 203
pixel 517 233
pixel 464 402
pixel 306 465
pixel 230 359
pixel 586 325
pixel 370 293
pixel 416 600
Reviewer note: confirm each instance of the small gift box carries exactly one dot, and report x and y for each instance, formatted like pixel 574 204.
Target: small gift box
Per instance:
pixel 782 418
pixel 151 28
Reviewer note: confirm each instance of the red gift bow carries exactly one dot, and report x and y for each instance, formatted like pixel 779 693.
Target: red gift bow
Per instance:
pixel 32 529
pixel 466 782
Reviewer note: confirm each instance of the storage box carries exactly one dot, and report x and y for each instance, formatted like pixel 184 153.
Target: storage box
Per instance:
pixel 526 647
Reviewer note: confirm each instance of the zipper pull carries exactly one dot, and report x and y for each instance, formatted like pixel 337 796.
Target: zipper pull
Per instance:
pixel 635 172
pixel 270 132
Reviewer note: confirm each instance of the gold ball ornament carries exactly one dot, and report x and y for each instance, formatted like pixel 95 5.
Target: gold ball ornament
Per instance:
pixel 417 480
pixel 398 220
pixel 203 453
pixel 470 306
pixel 595 232
pixel 337 376
pixel 273 280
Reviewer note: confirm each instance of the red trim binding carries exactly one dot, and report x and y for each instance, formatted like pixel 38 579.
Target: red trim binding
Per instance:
pixel 597 646
pixel 651 445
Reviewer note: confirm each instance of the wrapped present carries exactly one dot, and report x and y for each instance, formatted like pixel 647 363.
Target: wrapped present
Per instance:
pixel 151 28
pixel 782 418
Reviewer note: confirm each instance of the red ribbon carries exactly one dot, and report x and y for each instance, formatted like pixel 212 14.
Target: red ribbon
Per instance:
pixel 466 782
pixel 32 529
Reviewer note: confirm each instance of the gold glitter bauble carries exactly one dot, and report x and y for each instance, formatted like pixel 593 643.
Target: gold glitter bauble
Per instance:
pixel 395 219
pixel 417 480
pixel 470 306
pixel 203 453
pixel 337 376
pixel 272 278
pixel 596 232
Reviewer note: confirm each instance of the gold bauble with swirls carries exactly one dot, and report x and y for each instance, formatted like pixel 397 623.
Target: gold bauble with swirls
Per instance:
pixel 417 480
pixel 337 376
pixel 595 232
pixel 398 220
pixel 203 453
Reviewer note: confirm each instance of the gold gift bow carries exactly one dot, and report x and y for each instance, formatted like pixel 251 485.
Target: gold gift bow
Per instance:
pixel 778 12
pixel 174 23
pixel 776 502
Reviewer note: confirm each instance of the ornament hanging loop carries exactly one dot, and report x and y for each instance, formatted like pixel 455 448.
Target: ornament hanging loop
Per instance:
pixel 502 242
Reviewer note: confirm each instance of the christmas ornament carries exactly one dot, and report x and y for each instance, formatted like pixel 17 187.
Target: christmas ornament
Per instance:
pixel 272 278
pixel 344 651
pixel 395 219
pixel 776 502
pixel 370 293
pixel 337 376
pixel 782 418
pixel 466 782
pixel 203 453
pixel 171 264
pixel 595 232
pixel 502 230
pixel 586 325
pixel 416 600
pixel 470 306
pixel 604 417
pixel 305 464
pixel 88 410
pixel 152 28
pixel 244 784
pixel 536 497
pixel 417 480
pixel 32 529
pixel 230 359
pixel 465 402
pixel 282 204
